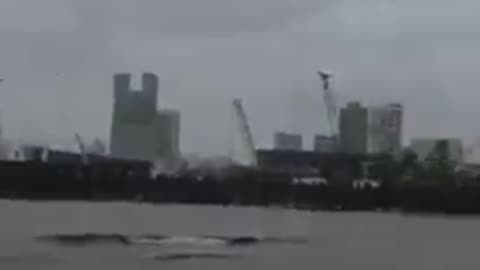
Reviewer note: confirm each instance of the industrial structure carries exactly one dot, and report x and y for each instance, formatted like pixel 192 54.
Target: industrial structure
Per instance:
pixel 287 141
pixel 139 130
pixel 338 166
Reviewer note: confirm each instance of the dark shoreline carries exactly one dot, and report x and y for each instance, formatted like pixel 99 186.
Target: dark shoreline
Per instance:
pixel 345 200
pixel 404 186
pixel 281 207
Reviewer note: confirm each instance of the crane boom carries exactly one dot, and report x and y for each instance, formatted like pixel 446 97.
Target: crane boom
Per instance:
pixel 245 131
pixel 330 102
pixel 81 147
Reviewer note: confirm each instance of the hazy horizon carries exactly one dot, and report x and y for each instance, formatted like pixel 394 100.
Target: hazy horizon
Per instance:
pixel 58 58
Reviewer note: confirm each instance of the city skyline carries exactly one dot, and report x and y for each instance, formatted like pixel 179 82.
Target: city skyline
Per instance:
pixel 57 64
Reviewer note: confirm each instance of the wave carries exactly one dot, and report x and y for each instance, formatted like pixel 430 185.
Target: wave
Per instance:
pixel 166 240
pixel 214 240
pixel 178 240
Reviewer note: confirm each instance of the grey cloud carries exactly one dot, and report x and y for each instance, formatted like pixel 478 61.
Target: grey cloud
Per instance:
pixel 58 62
pixel 206 17
pixel 31 16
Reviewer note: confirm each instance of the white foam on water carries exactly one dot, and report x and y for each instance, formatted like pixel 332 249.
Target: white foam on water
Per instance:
pixel 180 240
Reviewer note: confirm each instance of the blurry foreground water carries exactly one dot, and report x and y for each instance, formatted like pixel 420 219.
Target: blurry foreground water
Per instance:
pixel 79 235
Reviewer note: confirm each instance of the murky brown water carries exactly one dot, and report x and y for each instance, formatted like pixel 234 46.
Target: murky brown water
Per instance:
pixel 197 237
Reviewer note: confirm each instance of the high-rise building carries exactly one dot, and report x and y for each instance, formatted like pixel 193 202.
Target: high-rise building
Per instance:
pixel 374 130
pixel 139 130
pixel 353 128
pixel 425 147
pixel 134 117
pixel 385 128
pixel 167 139
pixel 287 141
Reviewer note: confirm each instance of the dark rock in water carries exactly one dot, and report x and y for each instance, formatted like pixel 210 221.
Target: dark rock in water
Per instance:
pixel 153 237
pixel 84 239
pixel 251 240
pixel 234 240
pixel 244 240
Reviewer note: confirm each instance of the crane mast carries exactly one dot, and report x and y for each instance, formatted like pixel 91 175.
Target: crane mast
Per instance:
pixel 245 131
pixel 330 102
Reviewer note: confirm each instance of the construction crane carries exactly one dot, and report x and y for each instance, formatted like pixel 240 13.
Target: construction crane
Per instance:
pixel 81 147
pixel 330 102
pixel 245 132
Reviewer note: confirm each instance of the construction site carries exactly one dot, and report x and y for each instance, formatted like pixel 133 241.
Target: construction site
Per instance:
pixel 145 145
pixel 343 152
pixel 144 133
pixel 351 167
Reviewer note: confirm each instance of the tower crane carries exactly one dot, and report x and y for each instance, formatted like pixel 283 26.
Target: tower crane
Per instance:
pixel 245 131
pixel 330 102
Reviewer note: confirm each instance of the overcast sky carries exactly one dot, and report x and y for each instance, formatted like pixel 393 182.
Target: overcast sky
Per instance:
pixel 57 58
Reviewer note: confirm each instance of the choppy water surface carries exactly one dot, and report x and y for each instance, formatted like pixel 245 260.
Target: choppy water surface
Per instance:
pixel 134 236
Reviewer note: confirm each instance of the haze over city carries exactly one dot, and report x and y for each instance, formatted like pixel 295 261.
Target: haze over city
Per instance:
pixel 239 134
pixel 58 58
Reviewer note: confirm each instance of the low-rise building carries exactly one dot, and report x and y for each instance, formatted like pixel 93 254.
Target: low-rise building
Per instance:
pixel 324 143
pixel 287 141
